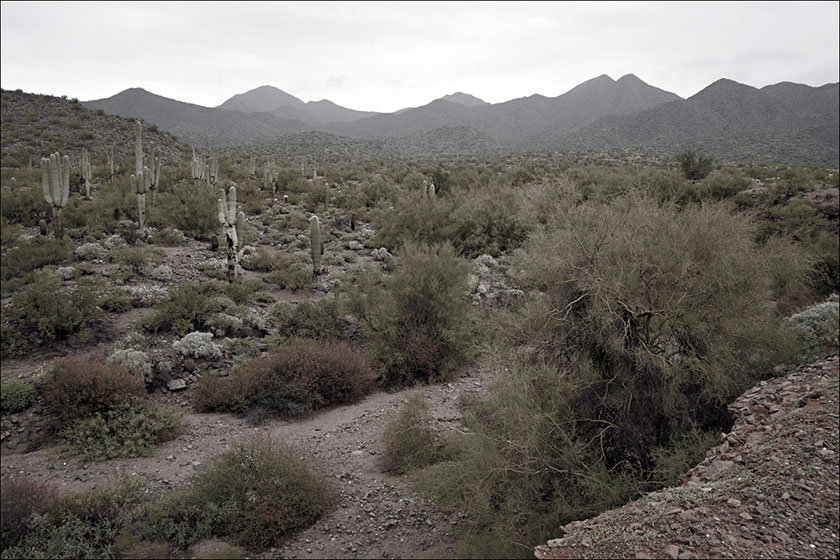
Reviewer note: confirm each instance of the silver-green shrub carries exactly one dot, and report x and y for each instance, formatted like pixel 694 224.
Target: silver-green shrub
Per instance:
pixel 198 345
pixel 135 361
pixel 818 329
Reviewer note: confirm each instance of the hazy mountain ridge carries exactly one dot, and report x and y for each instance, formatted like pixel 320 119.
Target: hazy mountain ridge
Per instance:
pixel 600 113
pixel 202 126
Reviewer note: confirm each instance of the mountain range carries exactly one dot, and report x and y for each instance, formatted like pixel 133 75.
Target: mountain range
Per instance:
pixel 785 121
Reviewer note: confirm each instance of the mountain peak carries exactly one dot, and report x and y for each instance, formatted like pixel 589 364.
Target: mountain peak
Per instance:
pixel 262 99
pixel 464 99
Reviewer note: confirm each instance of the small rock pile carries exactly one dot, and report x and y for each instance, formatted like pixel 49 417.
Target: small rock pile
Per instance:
pixel 769 490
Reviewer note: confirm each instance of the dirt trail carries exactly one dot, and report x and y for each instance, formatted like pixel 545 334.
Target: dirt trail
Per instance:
pixel 378 515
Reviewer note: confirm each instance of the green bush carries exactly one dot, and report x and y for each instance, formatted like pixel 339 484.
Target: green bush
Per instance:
pixel 130 429
pixel 693 167
pixel 408 441
pixel 186 309
pixel 31 254
pixel 257 493
pixel 416 321
pixel 290 273
pixel 84 525
pixel 17 395
pixel 643 322
pixel 307 319
pixel 54 312
pixel 190 207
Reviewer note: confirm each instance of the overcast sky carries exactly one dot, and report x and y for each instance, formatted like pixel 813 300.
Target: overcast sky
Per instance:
pixel 386 56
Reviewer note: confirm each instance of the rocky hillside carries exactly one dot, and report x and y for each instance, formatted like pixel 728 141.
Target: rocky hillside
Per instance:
pixel 768 490
pixel 784 122
pixel 34 126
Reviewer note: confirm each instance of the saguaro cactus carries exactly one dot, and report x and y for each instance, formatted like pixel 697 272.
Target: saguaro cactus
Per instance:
pixel 138 148
pixel 315 243
pixel 154 172
pixel 55 181
pixel 87 173
pixel 140 183
pixel 234 226
pixel 109 165
pixel 252 168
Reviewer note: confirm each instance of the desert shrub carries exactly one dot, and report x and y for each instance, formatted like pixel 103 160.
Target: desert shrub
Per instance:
pixel 818 329
pixel 186 309
pixel 129 429
pixel 17 395
pixel 415 320
pixel 190 207
pixel 307 319
pixel 170 237
pixel 414 217
pixel 22 497
pixel 488 221
pixel 723 183
pixel 290 273
pixel 81 386
pixel 198 345
pixel 135 361
pixel 409 442
pixel 256 493
pixel 89 251
pixel 693 167
pixel 54 312
pixel 289 381
pixel 242 291
pixel 12 341
pixel 32 254
pixel 83 525
pixel 116 301
pixel 643 323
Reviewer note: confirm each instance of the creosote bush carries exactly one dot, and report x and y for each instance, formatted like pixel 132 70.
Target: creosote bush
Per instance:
pixel 289 381
pixel 83 385
pixel 256 494
pixel 84 525
pixel 20 497
pixel 409 442
pixel 186 309
pixel 17 395
pixel 315 319
pixel 101 409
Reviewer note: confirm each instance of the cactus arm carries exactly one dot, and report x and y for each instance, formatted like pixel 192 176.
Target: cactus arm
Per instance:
pixel 65 181
pixel 315 243
pixel 240 229
pixel 45 180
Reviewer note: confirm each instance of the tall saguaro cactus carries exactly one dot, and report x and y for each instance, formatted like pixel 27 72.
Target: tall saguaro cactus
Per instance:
pixel 138 148
pixel 234 226
pixel 55 181
pixel 109 165
pixel 87 174
pixel 140 183
pixel 316 244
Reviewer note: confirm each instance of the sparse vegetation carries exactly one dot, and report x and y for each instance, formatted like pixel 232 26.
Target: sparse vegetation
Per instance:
pixel 614 305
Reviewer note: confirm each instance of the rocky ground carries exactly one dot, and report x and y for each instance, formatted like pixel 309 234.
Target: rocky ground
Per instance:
pixel 768 490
